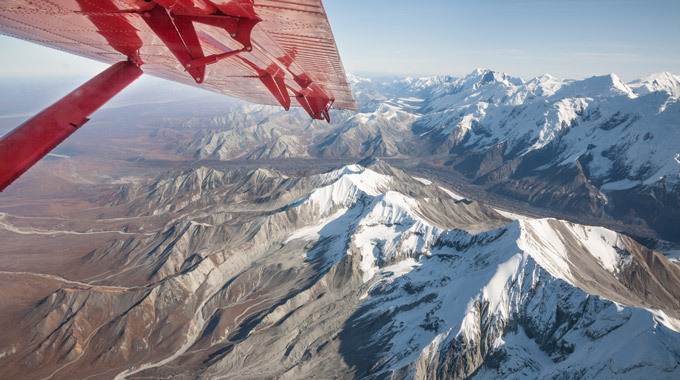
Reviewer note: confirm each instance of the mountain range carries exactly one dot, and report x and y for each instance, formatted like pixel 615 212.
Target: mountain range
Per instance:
pixel 597 149
pixel 360 272
pixel 479 227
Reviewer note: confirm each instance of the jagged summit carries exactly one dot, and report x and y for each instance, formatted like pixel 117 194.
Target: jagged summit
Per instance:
pixel 664 81
pixel 354 79
pixel 599 86
pixel 545 85
pixel 490 76
pixel 544 77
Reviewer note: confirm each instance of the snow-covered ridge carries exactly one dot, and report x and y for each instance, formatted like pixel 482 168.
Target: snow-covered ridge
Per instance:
pixel 446 291
pixel 658 82
pixel 544 243
pixel 390 220
pixel 345 185
pixel 381 219
pixel 625 134
pixel 551 243
pixel 364 272
pixel 475 285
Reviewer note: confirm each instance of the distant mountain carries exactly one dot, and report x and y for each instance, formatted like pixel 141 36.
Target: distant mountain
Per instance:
pixel 659 82
pixel 362 272
pixel 595 145
pixel 625 139
pixel 598 146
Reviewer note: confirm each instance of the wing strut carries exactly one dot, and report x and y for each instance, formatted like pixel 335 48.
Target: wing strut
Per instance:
pixel 32 140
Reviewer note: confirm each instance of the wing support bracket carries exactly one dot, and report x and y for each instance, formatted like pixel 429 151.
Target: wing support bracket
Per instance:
pixel 273 78
pixel 209 60
pixel 315 102
pixel 177 32
pixel 28 143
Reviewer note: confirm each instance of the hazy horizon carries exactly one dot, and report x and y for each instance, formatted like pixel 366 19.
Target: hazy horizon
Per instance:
pixel 572 40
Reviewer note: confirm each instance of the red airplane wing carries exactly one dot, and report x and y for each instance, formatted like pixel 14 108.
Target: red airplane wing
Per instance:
pixel 292 43
pixel 277 52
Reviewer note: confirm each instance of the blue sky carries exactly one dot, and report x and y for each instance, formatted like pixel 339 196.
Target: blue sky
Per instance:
pixel 525 38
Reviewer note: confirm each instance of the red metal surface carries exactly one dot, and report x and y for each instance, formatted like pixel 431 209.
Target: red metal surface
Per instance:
pixel 276 85
pixel 239 28
pixel 291 41
pixel 31 141
pixel 316 103
pixel 209 60
pixel 188 6
pixel 115 28
pixel 179 36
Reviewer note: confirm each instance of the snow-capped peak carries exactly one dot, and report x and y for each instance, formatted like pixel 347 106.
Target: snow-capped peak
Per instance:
pixel 467 291
pixel 545 77
pixel 355 79
pixel 657 82
pixel 345 185
pixel 602 85
pixel 545 85
pixel 481 77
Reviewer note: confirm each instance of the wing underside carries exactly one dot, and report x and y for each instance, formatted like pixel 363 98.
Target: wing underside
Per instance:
pixel 263 51
pixel 278 52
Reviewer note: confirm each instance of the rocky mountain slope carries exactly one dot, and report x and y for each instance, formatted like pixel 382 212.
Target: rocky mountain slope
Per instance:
pixel 597 147
pixel 361 272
